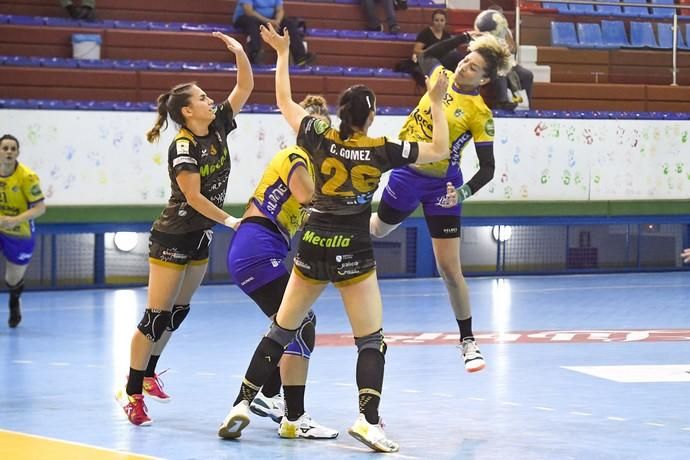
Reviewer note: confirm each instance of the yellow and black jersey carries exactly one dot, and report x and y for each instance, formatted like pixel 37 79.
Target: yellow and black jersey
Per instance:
pixel 468 118
pixel 272 196
pixel 348 172
pixel 18 192
pixel 209 157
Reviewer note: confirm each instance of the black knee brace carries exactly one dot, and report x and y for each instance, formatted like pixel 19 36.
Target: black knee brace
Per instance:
pixel 154 323
pixel 17 289
pixel 375 341
pixel 280 335
pixel 178 314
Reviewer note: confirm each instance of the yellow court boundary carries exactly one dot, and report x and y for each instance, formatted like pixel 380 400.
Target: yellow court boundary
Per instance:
pixel 23 446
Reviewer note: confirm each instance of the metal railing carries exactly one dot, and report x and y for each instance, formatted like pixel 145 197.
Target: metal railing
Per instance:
pixel 675 31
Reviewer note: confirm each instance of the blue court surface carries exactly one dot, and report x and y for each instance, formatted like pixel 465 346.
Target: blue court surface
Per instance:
pixel 578 367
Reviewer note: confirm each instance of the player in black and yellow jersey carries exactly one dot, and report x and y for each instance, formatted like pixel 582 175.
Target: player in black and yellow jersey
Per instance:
pixel 198 166
pixel 336 245
pixel 468 119
pixel 256 258
pixel 21 201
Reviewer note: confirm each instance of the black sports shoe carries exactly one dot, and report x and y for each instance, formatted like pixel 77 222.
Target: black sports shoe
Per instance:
pixel 15 312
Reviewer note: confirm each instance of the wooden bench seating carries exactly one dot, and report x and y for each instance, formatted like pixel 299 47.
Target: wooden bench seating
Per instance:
pixel 145 86
pixel 316 14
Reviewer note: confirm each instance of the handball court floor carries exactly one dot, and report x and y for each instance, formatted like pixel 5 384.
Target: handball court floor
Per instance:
pixel 578 367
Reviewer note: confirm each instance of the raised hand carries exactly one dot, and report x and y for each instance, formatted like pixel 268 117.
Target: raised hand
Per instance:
pixel 451 198
pixel 233 45
pixel 280 43
pixel 438 90
pixel 686 255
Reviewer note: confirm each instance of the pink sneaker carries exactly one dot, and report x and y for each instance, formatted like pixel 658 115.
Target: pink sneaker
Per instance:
pixel 153 387
pixel 134 407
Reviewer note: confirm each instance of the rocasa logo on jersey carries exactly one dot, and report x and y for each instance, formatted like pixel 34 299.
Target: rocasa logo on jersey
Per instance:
pixel 207 169
pixel 336 241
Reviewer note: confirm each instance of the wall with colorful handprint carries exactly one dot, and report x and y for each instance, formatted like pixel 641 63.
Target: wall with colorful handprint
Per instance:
pixel 102 158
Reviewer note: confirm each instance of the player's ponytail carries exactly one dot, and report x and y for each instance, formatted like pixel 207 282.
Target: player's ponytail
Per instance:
pixel 169 104
pixel 356 103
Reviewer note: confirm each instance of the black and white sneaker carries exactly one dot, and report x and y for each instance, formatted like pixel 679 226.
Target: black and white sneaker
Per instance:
pixel 474 361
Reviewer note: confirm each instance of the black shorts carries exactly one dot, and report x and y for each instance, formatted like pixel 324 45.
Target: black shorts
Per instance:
pixel 178 250
pixel 341 254
pixel 439 225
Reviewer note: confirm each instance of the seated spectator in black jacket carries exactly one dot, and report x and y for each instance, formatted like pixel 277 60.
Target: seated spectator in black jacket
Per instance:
pixel 430 35
pixel 85 11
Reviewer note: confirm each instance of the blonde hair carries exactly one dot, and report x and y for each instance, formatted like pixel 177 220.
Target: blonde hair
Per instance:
pixel 496 54
pixel 317 106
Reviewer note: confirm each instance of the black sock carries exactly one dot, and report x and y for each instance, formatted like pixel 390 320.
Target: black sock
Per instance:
pixel 135 382
pixel 370 364
pixel 272 385
pixel 15 291
pixel 465 326
pixel 263 363
pixel 294 401
pixel 151 368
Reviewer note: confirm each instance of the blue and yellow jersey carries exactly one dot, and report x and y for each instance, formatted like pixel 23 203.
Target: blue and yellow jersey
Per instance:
pixel 468 118
pixel 272 196
pixel 18 192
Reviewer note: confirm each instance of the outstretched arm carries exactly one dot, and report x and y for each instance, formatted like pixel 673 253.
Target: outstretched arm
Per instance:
pixel 438 148
pixel 292 111
pixel 430 57
pixel 245 79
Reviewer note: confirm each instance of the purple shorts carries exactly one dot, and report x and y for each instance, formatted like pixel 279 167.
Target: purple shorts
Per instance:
pixel 407 188
pixel 17 250
pixel 256 254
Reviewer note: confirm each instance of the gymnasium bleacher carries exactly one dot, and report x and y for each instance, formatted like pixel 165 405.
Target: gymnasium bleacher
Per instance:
pixel 591 55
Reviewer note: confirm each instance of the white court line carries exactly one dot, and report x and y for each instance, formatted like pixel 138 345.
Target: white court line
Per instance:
pixel 547 409
pixel 509 403
pixel 59 364
pixel 344 384
pixel 333 445
pixel 476 399
pixel 411 391
pixel 442 395
pixel 583 414
pixel 687 428
pixel 617 419
pixel 22 361
pixel 654 424
pixel 205 374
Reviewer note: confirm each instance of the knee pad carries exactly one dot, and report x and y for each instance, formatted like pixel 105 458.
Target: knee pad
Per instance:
pixel 303 343
pixel 281 335
pixel 379 228
pixel 178 314
pixel 154 323
pixel 374 341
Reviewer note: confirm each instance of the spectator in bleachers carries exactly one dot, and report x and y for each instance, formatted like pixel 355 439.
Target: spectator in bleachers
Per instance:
pixel 87 9
pixel 250 14
pixel 429 36
pixel 373 22
pixel 22 201
pixel 198 166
